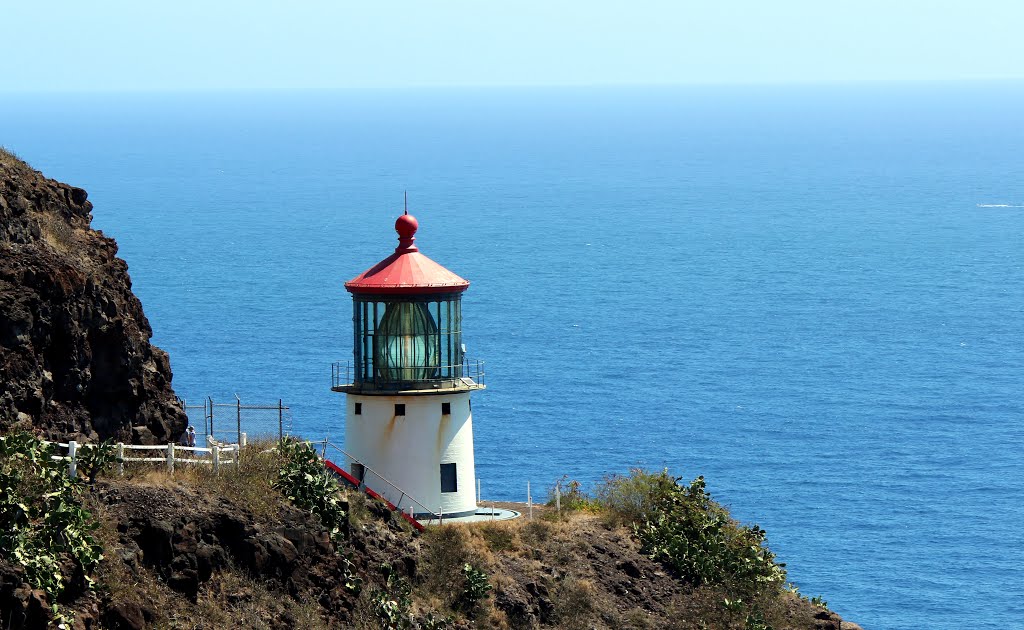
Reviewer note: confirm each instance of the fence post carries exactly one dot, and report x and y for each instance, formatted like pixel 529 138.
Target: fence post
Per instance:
pixel 119 452
pixel 210 401
pixel 239 412
pixel 323 453
pixel 478 490
pixel 440 514
pixel 280 419
pixel 216 459
pixel 558 497
pixel 170 457
pixel 234 456
pixel 243 439
pixel 72 459
pixel 529 499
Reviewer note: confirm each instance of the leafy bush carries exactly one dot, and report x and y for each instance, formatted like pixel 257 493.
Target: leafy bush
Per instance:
pixel 95 458
pixel 391 604
pixel 307 484
pixel 430 622
pixel 304 480
pixel 684 528
pixel 42 521
pixel 476 589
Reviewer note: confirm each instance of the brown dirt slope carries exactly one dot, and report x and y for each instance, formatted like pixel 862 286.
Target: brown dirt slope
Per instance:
pixel 75 357
pixel 582 572
pixel 195 551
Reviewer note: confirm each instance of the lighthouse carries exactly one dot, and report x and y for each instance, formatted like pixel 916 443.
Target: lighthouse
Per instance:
pixel 408 417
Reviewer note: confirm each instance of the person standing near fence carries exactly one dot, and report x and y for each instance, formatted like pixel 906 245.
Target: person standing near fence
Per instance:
pixel 188 438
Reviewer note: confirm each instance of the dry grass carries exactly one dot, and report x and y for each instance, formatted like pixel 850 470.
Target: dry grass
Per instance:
pixel 575 601
pixel 250 484
pixel 11 159
pixel 535 533
pixel 358 513
pixel 231 599
pixel 444 553
pixel 499 537
pixel 445 550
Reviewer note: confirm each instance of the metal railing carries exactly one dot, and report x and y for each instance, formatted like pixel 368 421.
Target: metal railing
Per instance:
pixel 405 503
pixel 469 374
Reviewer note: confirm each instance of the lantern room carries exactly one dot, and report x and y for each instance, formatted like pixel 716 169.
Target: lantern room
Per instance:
pixel 407 323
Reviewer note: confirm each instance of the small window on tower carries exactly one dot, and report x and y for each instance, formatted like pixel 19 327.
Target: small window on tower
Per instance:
pixel 446 409
pixel 399 409
pixel 359 409
pixel 449 483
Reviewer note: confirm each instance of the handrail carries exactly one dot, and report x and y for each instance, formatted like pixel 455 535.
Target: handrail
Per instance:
pixel 343 373
pixel 403 493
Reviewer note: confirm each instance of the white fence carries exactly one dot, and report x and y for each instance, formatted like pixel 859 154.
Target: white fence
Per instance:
pixel 215 455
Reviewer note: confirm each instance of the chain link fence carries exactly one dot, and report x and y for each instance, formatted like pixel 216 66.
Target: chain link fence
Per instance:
pixel 225 421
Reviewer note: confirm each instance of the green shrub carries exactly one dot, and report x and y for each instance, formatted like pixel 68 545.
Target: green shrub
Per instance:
pixel 304 480
pixel 688 531
pixel 477 588
pixel 42 521
pixel 95 458
pixel 391 604
pixel 430 622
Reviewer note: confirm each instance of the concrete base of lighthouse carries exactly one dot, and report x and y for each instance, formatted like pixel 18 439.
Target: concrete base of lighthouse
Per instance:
pixel 414 449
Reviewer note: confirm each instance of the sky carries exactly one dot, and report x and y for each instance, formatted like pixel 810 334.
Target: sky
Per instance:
pixel 138 45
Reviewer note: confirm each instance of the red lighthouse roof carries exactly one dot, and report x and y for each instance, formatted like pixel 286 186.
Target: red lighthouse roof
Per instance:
pixel 407 270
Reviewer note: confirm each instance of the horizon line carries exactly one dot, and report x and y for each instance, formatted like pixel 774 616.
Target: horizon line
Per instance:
pixel 513 86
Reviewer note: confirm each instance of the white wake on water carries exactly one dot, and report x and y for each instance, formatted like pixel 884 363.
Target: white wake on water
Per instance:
pixel 999 205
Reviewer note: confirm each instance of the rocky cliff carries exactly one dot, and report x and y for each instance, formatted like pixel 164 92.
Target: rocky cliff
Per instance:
pixel 75 357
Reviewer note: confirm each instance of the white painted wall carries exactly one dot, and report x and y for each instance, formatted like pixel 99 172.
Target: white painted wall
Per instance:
pixel 409 450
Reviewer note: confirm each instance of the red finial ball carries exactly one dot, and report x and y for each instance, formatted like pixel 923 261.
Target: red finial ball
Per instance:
pixel 406 226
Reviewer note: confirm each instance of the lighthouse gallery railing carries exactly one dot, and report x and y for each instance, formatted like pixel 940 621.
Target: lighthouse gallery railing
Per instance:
pixel 343 373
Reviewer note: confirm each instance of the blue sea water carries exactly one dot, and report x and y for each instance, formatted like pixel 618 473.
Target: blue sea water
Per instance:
pixel 812 295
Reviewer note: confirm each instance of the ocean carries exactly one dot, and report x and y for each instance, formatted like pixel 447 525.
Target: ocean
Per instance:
pixel 813 295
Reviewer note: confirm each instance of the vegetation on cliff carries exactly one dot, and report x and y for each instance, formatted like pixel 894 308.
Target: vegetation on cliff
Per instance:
pixel 44 528
pixel 199 550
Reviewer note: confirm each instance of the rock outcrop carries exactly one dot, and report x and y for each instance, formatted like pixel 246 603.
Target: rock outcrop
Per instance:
pixel 75 356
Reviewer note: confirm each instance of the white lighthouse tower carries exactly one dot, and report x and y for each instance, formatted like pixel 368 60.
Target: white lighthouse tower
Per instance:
pixel 409 422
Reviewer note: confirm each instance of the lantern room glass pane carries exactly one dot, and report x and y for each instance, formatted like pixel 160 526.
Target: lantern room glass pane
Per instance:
pixel 405 346
pixel 404 340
